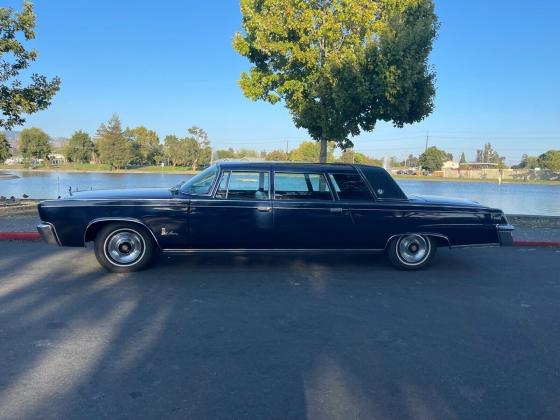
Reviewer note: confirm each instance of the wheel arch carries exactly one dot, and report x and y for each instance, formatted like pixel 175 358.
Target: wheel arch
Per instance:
pixel 96 225
pixel 440 239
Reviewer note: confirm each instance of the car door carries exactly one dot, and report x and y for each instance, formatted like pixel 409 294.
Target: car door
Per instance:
pixel 238 216
pixel 369 222
pixel 306 213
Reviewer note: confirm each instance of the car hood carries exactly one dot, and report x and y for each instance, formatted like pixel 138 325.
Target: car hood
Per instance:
pixel 129 194
pixel 443 201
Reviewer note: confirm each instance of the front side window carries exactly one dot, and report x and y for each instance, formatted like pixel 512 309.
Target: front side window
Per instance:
pixel 350 186
pixel 202 183
pixel 301 186
pixel 244 186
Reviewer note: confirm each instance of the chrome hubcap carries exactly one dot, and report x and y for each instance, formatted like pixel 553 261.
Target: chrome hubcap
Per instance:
pixel 413 249
pixel 125 246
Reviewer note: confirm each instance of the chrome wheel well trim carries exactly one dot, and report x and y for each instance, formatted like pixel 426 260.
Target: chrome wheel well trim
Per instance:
pixel 436 235
pixel 120 219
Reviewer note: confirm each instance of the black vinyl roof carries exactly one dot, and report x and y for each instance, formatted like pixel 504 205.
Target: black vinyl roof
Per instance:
pixel 292 166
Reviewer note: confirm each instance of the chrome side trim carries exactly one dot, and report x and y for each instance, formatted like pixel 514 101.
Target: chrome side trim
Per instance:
pixel 48 233
pixel 490 245
pixel 120 219
pixel 505 228
pixel 267 251
pixel 437 235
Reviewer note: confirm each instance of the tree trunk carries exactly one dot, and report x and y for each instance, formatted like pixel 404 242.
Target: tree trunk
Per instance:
pixel 323 153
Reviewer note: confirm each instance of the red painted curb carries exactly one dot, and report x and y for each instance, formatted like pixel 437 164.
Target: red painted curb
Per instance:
pixel 535 243
pixel 22 236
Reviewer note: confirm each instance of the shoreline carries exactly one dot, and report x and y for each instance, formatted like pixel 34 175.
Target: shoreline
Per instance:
pixel 100 171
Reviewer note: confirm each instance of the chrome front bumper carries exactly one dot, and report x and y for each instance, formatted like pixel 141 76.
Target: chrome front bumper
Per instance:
pixel 504 234
pixel 48 233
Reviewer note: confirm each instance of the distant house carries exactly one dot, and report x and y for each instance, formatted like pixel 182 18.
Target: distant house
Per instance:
pixel 13 160
pixel 450 165
pixel 56 159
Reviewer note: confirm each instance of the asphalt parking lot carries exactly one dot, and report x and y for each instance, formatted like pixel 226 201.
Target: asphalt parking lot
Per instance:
pixel 318 337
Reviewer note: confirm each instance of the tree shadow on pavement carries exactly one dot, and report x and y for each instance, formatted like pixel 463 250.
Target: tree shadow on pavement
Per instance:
pixel 285 336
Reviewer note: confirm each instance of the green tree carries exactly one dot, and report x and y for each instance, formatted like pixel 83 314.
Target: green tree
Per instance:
pixel 527 162
pixel 489 155
pixel 5 148
pixel 347 156
pixel 16 98
pixel 463 158
pixel 432 159
pixel 550 160
pixel 225 154
pixel 34 143
pixel 246 153
pixel 340 66
pixel 79 148
pixel 277 156
pixel 114 148
pixel 309 151
pixel 410 161
pixel 145 144
pixel 171 149
pixel 189 152
pixel 204 156
pixel 362 159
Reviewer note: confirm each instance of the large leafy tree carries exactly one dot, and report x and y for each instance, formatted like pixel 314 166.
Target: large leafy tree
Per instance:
pixel 432 159
pixel 5 148
pixel 550 160
pixel 79 148
pixel 340 66
pixel 16 98
pixel 145 144
pixel 34 143
pixel 113 147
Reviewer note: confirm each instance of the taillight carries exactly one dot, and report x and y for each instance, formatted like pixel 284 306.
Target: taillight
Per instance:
pixel 499 218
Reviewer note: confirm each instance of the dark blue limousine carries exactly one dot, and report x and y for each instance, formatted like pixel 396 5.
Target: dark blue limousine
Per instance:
pixel 270 207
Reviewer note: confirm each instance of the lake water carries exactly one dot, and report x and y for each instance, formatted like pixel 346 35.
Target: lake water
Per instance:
pixel 512 198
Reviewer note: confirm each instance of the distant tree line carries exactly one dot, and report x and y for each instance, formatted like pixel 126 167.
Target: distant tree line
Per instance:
pixel 140 146
pixel 433 159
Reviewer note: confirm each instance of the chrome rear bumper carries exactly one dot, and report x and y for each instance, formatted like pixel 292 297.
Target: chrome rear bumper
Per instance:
pixel 504 234
pixel 48 233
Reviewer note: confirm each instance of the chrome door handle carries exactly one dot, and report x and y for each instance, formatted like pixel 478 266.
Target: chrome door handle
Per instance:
pixel 336 210
pixel 264 209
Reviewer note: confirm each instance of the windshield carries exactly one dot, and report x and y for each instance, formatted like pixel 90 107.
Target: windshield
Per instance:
pixel 201 183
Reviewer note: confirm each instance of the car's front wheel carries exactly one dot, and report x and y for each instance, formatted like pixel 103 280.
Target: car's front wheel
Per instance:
pixel 411 251
pixel 123 248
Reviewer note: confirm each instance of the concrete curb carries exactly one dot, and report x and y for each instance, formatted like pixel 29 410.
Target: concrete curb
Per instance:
pixel 34 236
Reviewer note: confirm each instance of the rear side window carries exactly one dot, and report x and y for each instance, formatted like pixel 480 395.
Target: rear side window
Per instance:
pixel 244 186
pixel 301 186
pixel 382 184
pixel 350 186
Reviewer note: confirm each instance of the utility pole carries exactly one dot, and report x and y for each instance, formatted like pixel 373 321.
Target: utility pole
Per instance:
pixel 287 145
pixel 427 138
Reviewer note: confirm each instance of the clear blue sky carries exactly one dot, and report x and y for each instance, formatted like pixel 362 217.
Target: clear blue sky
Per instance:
pixel 169 65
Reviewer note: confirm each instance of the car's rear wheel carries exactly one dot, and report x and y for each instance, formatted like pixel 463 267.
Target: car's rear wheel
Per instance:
pixel 411 251
pixel 123 247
